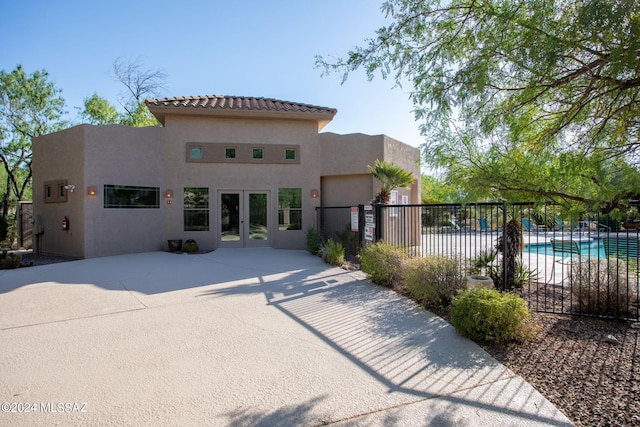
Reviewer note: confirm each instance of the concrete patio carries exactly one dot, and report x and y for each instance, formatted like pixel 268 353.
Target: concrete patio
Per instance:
pixel 239 337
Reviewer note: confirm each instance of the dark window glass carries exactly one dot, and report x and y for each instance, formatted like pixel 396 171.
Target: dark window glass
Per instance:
pixel 290 154
pixel 196 209
pixel 290 209
pixel 230 153
pixel 131 197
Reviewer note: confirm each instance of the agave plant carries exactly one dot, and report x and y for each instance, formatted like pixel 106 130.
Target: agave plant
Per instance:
pixel 390 177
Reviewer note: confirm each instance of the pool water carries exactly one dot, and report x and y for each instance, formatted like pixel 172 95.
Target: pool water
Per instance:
pixel 590 248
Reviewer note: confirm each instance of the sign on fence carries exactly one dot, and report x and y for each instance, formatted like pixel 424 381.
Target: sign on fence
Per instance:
pixel 369 223
pixel 354 218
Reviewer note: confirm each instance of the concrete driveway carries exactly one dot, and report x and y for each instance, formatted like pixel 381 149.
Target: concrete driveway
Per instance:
pixel 242 337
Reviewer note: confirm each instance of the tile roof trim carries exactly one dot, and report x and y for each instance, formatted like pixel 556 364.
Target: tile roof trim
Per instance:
pixel 218 102
pixel 238 106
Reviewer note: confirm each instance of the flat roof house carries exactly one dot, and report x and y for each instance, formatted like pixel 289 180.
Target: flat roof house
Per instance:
pixel 224 171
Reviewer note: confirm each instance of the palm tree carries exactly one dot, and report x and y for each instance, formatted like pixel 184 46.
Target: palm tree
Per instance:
pixel 390 177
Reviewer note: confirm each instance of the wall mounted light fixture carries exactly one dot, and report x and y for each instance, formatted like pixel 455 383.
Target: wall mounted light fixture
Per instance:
pixel 168 194
pixel 91 191
pixel 315 194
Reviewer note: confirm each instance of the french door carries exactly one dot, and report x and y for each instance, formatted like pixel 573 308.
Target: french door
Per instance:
pixel 243 218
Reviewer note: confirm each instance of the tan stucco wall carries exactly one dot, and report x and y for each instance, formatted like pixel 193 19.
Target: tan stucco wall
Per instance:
pixel 121 155
pixel 180 130
pixel 86 155
pixel 59 156
pixel 347 190
pixel 349 155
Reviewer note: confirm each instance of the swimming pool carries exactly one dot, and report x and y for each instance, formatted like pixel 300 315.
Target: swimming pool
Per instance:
pixel 588 248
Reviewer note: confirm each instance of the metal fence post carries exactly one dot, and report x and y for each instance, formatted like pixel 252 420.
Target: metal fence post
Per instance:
pixel 505 247
pixel 378 221
pixel 361 223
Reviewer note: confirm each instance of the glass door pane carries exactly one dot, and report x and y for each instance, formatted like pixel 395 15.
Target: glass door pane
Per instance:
pixel 230 217
pixel 258 225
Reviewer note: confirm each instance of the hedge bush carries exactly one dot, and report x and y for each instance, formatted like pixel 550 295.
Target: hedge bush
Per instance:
pixel 601 286
pixel 383 264
pixel 433 281
pixel 332 252
pixel 315 240
pixel 490 315
pixel 190 246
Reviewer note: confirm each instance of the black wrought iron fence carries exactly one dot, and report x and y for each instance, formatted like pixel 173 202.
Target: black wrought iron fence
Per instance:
pixel 584 265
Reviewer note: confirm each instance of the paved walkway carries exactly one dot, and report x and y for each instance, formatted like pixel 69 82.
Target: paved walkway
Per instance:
pixel 242 337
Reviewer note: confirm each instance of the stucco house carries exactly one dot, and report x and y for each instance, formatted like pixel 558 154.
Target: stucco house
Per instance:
pixel 224 171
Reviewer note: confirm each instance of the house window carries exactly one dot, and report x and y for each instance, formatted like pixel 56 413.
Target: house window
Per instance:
pixel 290 209
pixel 230 153
pixel 55 191
pixel 290 154
pixel 131 197
pixel 195 153
pixel 258 153
pixel 196 209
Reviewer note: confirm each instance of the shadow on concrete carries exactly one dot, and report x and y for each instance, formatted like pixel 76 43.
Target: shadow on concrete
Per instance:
pixel 415 355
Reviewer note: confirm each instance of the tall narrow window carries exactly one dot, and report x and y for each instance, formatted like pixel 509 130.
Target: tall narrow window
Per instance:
pixel 196 209
pixel 290 209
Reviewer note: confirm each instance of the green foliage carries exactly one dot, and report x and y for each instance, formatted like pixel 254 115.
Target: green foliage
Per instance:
pixel 190 246
pixel 433 281
pixel 390 177
pixel 315 240
pixel 481 262
pixel 603 287
pixel 435 190
pixel 383 264
pixel 138 115
pixel 521 276
pixel 10 261
pixel 98 111
pixel 349 239
pixel 30 106
pixel 489 315
pixel 332 252
pixel 519 99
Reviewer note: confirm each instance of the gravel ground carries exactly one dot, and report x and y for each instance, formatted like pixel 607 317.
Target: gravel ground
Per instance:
pixel 588 368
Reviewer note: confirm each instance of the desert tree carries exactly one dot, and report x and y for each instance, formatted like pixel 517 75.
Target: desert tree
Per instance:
pixel 533 98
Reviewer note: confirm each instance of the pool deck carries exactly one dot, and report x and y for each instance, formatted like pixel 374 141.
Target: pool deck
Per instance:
pixel 470 244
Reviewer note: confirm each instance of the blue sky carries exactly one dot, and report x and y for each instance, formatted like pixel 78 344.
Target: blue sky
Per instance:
pixel 225 47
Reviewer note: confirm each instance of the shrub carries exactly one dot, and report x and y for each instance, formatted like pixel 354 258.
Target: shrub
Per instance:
pixel 349 239
pixel 383 263
pixel 481 262
pixel 433 281
pixel 10 261
pixel 490 315
pixel 602 286
pixel 315 240
pixel 190 246
pixel 332 253
pixel 520 278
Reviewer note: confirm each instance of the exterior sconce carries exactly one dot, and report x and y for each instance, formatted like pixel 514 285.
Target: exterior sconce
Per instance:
pixel 168 194
pixel 315 194
pixel 91 191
